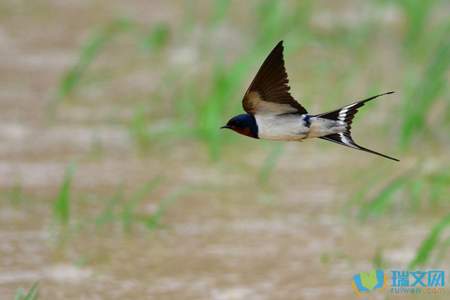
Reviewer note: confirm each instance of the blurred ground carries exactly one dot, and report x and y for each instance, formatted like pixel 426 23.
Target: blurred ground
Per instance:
pixel 226 235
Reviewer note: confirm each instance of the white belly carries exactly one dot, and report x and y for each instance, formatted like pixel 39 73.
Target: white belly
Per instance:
pixel 284 127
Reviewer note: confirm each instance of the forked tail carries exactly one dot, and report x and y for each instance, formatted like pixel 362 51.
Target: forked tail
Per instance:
pixel 346 115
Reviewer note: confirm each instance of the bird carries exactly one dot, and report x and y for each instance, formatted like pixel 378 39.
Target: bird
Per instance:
pixel 273 114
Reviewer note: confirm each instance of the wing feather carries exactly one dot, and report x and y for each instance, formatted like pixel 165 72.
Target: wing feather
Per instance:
pixel 269 90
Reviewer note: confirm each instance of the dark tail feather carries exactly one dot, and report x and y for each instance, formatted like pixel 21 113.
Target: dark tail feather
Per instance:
pixel 346 115
pixel 347 112
pixel 345 139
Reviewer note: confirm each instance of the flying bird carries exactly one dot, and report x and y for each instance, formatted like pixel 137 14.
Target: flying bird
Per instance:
pixel 273 114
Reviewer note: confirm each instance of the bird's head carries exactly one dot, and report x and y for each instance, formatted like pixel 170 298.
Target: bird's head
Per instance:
pixel 244 124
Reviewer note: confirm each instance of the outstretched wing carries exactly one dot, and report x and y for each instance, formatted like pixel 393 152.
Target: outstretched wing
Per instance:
pixel 269 90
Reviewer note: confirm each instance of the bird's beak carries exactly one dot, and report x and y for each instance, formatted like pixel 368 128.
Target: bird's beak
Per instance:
pixel 226 126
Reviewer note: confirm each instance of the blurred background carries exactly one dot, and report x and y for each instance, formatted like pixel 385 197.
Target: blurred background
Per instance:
pixel 116 182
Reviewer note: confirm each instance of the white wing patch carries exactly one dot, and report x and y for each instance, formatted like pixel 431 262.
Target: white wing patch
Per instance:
pixel 343 112
pixel 346 140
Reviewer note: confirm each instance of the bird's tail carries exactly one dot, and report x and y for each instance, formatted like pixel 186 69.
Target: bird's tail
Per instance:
pixel 346 115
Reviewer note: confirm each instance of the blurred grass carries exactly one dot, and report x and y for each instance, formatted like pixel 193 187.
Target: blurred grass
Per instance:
pixel 212 108
pixel 16 194
pixel 415 190
pixel 381 202
pixel 32 293
pixel 119 209
pixel 220 11
pixel 157 38
pixel 128 209
pixel 205 109
pixel 327 63
pixel 153 221
pixel 127 212
pixel 90 50
pixel 61 206
pixel 417 15
pixel 432 242
pixel 210 113
pixel 108 215
pixel 205 99
pixel 138 128
pixel 423 94
pixel 200 110
pixel 426 60
pixel 222 98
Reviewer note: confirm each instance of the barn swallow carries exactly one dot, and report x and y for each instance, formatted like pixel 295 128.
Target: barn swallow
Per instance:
pixel 273 114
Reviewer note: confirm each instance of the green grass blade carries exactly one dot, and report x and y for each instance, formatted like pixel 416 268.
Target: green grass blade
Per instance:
pixel 138 128
pixel 88 53
pixel 31 295
pixel 430 243
pixel 20 294
pixel 128 210
pixel 61 206
pixel 431 85
pixel 158 38
pixel 33 292
pixel 382 200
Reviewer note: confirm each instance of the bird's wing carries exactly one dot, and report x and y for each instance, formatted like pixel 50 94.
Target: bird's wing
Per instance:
pixel 269 90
